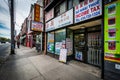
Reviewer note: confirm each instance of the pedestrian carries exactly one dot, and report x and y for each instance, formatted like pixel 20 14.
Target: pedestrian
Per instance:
pixel 18 44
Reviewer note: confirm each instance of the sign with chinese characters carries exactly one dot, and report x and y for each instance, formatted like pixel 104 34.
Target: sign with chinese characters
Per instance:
pixel 37 26
pixel 87 9
pixel 49 25
pixel 64 19
pixel 60 21
pixel 112 32
pixel 37 12
pixel 49 15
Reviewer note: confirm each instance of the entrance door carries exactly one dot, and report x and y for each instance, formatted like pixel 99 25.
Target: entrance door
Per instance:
pixel 79 46
pixel 94 48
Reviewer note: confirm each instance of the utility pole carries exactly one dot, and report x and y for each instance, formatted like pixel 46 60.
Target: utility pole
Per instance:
pixel 12 27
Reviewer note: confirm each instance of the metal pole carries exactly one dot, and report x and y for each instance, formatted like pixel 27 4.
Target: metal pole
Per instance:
pixel 102 42
pixel 12 27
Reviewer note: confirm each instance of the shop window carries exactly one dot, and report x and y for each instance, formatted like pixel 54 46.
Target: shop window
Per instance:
pixel 63 7
pixel 76 2
pixel 59 9
pixel 50 42
pixel 70 4
pixel 60 37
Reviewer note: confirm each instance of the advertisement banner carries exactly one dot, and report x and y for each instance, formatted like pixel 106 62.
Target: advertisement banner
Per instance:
pixel 36 26
pixel 88 9
pixel 112 32
pixel 60 21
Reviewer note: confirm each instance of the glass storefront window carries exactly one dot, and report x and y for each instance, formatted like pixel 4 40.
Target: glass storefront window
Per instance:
pixel 69 42
pixel 50 42
pixel 60 37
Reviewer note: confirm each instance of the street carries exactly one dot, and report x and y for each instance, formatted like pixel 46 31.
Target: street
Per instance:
pixel 27 64
pixel 4 51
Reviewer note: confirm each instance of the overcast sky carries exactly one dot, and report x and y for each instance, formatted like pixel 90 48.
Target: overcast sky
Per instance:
pixel 22 10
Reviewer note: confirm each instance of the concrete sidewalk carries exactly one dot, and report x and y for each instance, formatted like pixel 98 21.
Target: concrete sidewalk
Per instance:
pixel 4 52
pixel 27 64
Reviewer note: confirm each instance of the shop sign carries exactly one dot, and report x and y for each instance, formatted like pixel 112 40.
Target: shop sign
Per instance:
pixel 112 32
pixel 37 13
pixel 49 25
pixel 37 26
pixel 88 9
pixel 49 15
pixel 61 21
pixel 64 19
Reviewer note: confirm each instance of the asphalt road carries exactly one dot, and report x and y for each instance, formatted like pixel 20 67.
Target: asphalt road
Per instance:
pixel 4 51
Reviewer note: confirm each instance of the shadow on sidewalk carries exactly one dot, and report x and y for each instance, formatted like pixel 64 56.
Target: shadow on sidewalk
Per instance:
pixel 23 52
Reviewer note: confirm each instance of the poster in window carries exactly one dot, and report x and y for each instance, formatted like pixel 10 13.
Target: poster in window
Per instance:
pixel 50 42
pixel 78 55
pixel 58 46
pixel 69 46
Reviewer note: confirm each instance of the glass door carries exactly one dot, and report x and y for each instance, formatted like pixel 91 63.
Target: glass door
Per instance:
pixel 79 46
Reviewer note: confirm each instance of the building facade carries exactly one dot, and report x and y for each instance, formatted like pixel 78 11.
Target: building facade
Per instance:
pixel 75 25
pixel 79 26
pixel 34 26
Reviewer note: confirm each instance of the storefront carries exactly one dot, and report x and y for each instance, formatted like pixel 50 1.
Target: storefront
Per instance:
pixel 87 44
pixel 37 28
pixel 57 33
pixel 82 39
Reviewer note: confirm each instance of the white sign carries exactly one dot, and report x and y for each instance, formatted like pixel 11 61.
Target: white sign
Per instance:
pixel 64 19
pixel 49 15
pixel 61 21
pixel 88 9
pixel 63 55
